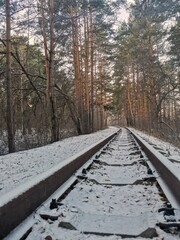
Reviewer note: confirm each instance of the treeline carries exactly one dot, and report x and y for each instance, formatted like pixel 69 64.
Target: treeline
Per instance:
pixel 66 67
pixel 147 61
pixel 54 68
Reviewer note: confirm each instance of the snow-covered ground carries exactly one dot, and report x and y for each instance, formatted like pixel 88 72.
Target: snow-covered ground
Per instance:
pixel 21 167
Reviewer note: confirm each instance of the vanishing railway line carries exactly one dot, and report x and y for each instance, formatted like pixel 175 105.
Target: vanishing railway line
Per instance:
pixel 125 190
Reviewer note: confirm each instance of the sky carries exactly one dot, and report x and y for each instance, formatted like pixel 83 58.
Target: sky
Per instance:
pixel 124 14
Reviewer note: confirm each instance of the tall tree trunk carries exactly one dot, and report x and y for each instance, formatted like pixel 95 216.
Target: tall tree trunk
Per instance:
pixel 52 98
pixel 139 97
pixel 154 121
pixel 92 70
pixel 22 106
pixel 45 50
pixel 101 92
pixel 131 116
pixel 86 38
pixel 49 62
pixel 144 93
pixel 134 98
pixel 77 68
pixel 10 124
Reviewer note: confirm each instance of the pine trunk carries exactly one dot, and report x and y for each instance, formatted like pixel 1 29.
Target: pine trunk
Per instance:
pixel 77 69
pixel 52 98
pixel 10 124
pixel 92 71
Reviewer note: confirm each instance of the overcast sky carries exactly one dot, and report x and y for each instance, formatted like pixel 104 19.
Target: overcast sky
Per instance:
pixel 124 14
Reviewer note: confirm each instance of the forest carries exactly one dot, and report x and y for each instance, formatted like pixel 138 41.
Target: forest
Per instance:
pixel 71 67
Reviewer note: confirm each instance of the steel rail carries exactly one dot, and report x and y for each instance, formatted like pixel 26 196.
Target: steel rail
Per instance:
pixel 168 177
pixel 14 211
pixel 80 176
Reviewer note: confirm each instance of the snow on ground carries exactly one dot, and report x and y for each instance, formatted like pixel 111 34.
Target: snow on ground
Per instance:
pixel 21 167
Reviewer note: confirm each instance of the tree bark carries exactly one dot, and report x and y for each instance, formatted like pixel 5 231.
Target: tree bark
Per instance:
pixel 45 49
pixel 86 38
pixel 77 67
pixel 52 98
pixel 92 70
pixel 10 124
pixel 154 121
pixel 131 116
pixel 49 62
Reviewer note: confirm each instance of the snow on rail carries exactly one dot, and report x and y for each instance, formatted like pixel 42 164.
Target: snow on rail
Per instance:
pixel 168 175
pixel 162 159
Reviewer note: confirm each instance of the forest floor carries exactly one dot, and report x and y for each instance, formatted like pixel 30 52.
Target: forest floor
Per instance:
pixel 21 167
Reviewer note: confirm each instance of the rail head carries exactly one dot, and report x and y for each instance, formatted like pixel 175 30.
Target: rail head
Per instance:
pixel 169 175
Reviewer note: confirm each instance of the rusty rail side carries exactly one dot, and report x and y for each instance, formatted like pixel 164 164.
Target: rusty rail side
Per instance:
pixel 16 210
pixel 162 166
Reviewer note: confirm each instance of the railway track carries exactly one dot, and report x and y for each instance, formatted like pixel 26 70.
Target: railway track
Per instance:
pixel 123 191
